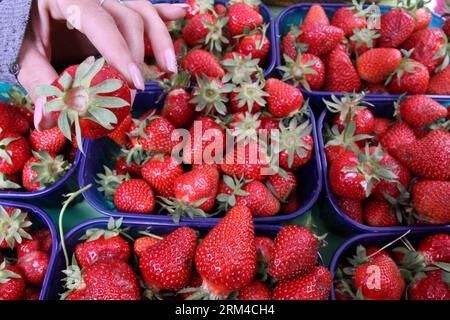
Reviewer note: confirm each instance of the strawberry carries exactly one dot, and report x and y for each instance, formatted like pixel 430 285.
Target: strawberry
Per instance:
pixel 210 96
pixel 102 280
pixel 435 248
pixel 356 176
pixel 177 108
pixel 167 265
pixel 397 135
pixel 196 30
pixel 11 120
pixel 352 208
pixel 161 172
pixel 199 61
pixel 255 44
pixel 34 267
pixel 255 291
pixel 295 253
pixel 420 111
pixel 292 204
pixel 379 213
pixel 396 26
pixel 388 283
pixel 45 239
pixel 193 286
pixel 9 182
pixel 102 244
pixel 198 7
pixel 119 135
pixel 134 195
pixel 241 16
pixel 439 83
pixel 423 17
pixel 446 27
pixel 289 45
pixel 341 75
pixel 21 102
pixel 431 286
pixel 306 70
pixel 142 244
pixel 410 76
pixel 109 99
pixel 220 9
pixel 315 285
pixel 282 186
pixel 43 170
pixel 152 73
pixel 50 140
pixel 12 284
pixel 363 40
pixel 14 227
pixel 240 68
pixel 180 47
pixel 318 14
pixel 375 65
pixel 264 246
pixel 284 99
pixel 226 258
pixel 348 19
pixel 14 152
pixel 377 88
pixel 28 246
pixel 430 200
pixel 428 157
pixel 248 97
pixel 321 39
pixel 123 168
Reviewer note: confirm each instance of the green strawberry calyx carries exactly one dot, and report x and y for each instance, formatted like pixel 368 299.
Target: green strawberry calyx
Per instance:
pixel 407 65
pixel 235 184
pixel 250 93
pixel 444 54
pixel 12 228
pixel 365 36
pixel 246 128
pixel 4 143
pixel 177 208
pixel 19 99
pixel 210 96
pixel 74 278
pixel 49 169
pixel 151 73
pixel 6 275
pixel 345 138
pixel 109 182
pixel 347 105
pixel 241 70
pixel 215 38
pixel 78 99
pixel 6 184
pixel 296 71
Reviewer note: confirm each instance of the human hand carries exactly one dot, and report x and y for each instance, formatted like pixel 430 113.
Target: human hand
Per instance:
pixel 111 28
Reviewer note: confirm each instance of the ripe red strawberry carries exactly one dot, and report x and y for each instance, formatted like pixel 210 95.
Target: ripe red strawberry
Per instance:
pixel 428 157
pixel 122 168
pixel 289 44
pixel 430 200
pixel 410 76
pixel 167 265
pixel 248 97
pixel 363 40
pixel 306 70
pixel 282 186
pixel 14 152
pixel 31 294
pixel 34 267
pixel 196 30
pixel 435 248
pixel 135 196
pixel 194 283
pixel 431 286
pixel 21 102
pixel 318 14
pixel 397 135
pixel 45 239
pixel 360 115
pixel 180 47
pixel 12 284
pixel 420 110
pixel 142 244
pixel 377 88
pixel 103 280
pixel 321 39
pixel 102 244
pixel 295 253
pixel 199 61
pixel 446 27
pixel 220 9
pixel 256 44
pixel 177 108
pixel 109 99
pixel 43 170
pixel 27 246
pixel 352 208
pixel 379 279
pixel 396 26
pixel 423 17
pixel 161 172
pixel 119 135
pixel 15 226
pixel 440 83
pixel 198 7
pixel 11 120
pixel 315 285
pixel 259 199
pixel 227 251
pixel 348 20
pixel 284 99
pixel 379 213
pixel 264 245
pixel 341 75
pixel 240 16
pixel 255 291
pixel 375 65
pixel 50 140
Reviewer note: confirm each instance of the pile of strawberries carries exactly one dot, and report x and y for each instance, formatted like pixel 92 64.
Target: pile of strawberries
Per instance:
pixel 228 263
pixel 351 53
pixel 24 256
pixel 30 160
pixel 401 273
pixel 387 172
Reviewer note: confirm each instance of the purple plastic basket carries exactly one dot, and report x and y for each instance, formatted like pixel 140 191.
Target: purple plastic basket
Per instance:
pixel 333 216
pixel 294 14
pixel 54 287
pixel 51 196
pixel 347 249
pixel 40 219
pixel 310 182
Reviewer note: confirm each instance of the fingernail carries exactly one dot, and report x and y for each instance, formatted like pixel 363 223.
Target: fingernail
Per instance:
pixel 171 61
pixel 133 96
pixel 182 5
pixel 42 119
pixel 136 76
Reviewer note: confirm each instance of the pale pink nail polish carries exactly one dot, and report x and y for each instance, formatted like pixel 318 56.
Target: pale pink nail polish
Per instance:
pixel 38 113
pixel 133 96
pixel 171 61
pixel 136 76
pixel 182 5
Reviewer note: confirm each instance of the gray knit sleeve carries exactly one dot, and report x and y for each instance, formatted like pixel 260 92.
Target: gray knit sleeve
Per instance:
pixel 14 15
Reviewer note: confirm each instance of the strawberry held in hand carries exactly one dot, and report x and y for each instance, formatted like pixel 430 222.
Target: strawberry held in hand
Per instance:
pixel 91 99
